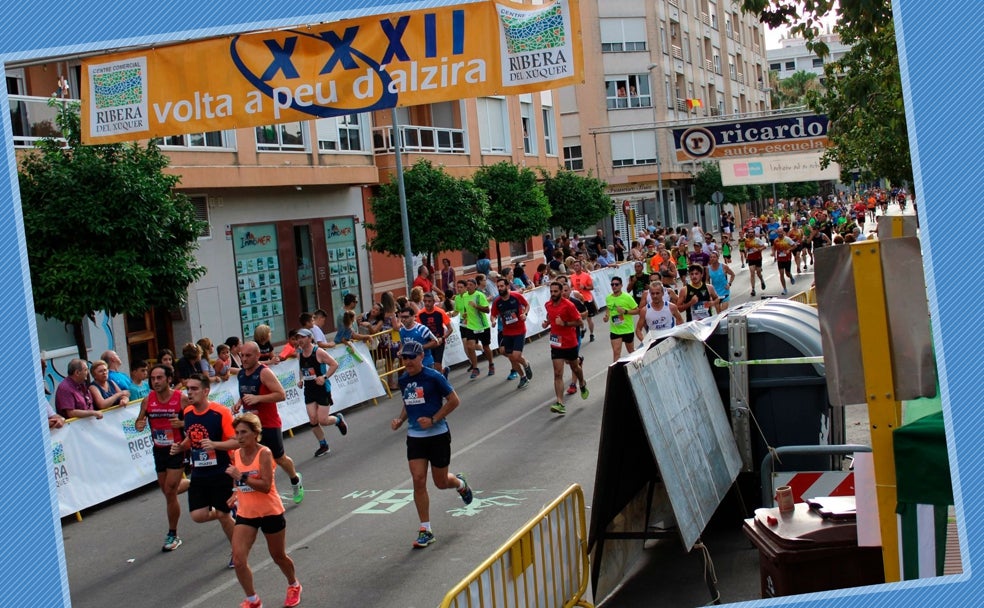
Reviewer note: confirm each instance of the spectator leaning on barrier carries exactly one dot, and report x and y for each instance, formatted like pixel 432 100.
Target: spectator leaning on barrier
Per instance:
pixel 114 363
pixel 139 387
pixel 104 391
pixel 72 397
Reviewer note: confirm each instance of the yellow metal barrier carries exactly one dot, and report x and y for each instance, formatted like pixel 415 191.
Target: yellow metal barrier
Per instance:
pixel 808 297
pixel 387 362
pixel 545 563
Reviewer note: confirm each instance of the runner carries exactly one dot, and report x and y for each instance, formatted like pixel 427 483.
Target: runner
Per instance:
pixel 475 318
pixel 721 277
pixel 658 312
pixel 164 407
pixel 581 282
pixel 428 399
pixel 317 366
pixel 782 251
pixel 511 306
pixel 209 436
pixel 439 323
pixel 258 507
pixel 620 306
pixel 754 245
pixel 575 299
pixel 411 331
pixel 259 392
pixel 697 297
pixel 563 321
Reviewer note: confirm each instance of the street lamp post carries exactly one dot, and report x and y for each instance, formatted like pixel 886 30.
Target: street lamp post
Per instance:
pixel 659 163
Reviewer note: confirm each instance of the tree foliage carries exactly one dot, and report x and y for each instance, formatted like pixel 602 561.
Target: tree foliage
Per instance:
pixel 518 207
pixel 105 231
pixel 863 92
pixel 445 213
pixel 577 202
pixel 708 181
pixel 795 89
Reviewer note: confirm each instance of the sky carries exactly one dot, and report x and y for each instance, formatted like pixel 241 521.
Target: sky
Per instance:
pixel 772 36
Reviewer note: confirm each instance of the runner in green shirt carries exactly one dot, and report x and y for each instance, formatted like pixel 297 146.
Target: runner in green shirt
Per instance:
pixel 621 306
pixel 476 328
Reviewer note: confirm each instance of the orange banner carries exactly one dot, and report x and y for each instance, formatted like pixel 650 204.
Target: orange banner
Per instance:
pixel 318 71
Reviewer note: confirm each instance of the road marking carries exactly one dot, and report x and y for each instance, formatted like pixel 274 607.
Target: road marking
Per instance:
pixel 310 538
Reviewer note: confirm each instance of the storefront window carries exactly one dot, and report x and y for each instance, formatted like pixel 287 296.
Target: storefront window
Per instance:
pixel 343 262
pixel 258 280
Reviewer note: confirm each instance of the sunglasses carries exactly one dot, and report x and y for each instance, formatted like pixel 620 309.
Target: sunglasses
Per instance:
pixel 409 356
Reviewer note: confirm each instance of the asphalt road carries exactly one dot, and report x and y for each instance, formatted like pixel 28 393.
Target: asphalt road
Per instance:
pixel 351 537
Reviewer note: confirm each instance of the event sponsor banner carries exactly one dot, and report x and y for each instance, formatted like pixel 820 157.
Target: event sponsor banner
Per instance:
pixel 776 169
pixel 752 137
pixel 331 69
pixel 96 460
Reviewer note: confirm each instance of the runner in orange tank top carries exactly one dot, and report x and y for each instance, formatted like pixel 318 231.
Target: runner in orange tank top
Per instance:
pixel 258 507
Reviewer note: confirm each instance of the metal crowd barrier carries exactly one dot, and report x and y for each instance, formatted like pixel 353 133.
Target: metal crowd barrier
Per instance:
pixel 808 297
pixel 387 362
pixel 545 563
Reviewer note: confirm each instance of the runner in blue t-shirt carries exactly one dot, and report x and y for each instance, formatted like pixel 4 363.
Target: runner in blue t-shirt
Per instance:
pixel 411 331
pixel 428 398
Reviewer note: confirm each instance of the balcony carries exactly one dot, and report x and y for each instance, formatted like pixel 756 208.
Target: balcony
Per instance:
pixel 677 52
pixel 740 78
pixel 32 119
pixel 708 65
pixel 414 138
pixel 705 18
pixel 674 3
pixel 715 112
pixel 681 105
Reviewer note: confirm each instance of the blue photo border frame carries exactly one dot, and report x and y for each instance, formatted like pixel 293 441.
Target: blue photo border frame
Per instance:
pixel 939 54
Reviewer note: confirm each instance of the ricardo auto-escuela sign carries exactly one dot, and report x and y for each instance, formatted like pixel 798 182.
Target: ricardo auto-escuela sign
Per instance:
pixel 752 137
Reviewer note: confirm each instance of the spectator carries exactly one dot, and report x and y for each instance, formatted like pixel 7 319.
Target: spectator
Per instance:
pixel 114 363
pixel 140 388
pixel 548 247
pixel 416 299
pixel 349 303
pixel 54 420
pixel 205 363
pixel 540 277
pixel 223 364
pixel 261 335
pixel 72 397
pixel 606 258
pixel 372 320
pixel 321 322
pixel 188 364
pixel 598 244
pixel 165 356
pixel 105 393
pixel 484 264
pixel 619 246
pixel 289 351
pixel 234 343
pixel 423 280
pixel 447 275
pixel 487 286
pixel 306 321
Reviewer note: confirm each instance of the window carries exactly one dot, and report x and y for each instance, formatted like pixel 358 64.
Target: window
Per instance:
pixel 669 92
pixel 732 69
pixel 211 139
pixel 518 250
pixel 775 67
pixel 287 137
pixel 662 40
pixel 200 201
pixel 791 65
pixel 529 127
pixel 633 148
pixel 573 159
pixel 493 121
pixel 817 62
pixel 717 63
pixel 686 48
pixel 735 108
pixel 343 133
pixel 630 91
pixel 623 35
pixel 548 132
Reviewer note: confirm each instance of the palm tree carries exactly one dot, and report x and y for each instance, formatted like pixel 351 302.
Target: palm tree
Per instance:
pixel 793 90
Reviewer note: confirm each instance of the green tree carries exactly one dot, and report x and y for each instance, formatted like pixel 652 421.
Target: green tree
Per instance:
pixel 796 88
pixel 708 181
pixel 518 208
pixel 804 189
pixel 105 230
pixel 862 96
pixel 445 213
pixel 576 201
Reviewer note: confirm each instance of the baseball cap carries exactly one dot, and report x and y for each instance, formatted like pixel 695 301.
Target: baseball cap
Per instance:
pixel 411 348
pixel 305 332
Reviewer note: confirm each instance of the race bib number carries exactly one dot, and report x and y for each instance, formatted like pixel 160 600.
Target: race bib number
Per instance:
pixel 616 319
pixel 203 458
pixel 242 487
pixel 510 317
pixel 554 341
pixel 309 373
pixel 414 396
pixel 163 437
pixel 700 311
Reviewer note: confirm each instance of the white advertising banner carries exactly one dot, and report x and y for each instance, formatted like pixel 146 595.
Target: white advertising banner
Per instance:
pixel 803 167
pixel 96 460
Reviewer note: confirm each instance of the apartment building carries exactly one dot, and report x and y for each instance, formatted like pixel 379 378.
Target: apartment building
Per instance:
pixel 792 56
pixel 649 66
pixel 286 205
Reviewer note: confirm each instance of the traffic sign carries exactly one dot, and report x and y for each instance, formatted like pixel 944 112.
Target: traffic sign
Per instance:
pixel 718 197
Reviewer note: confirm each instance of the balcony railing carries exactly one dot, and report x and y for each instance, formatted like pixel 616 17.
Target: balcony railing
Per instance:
pixel 677 52
pixel 414 138
pixel 708 65
pixel 674 3
pixel 705 19
pixel 32 119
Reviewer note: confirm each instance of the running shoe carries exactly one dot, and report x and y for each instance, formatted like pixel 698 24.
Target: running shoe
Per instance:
pixel 341 424
pixel 298 490
pixel 464 491
pixel 529 371
pixel 322 450
pixel 523 382
pixel 753 293
pixel 783 292
pixel 171 542
pixel 572 388
pixel 763 283
pixel 424 538
pixel 491 369
pixel 293 595
pixel 248 604
pixel 792 281
pixel 592 337
pixel 512 375
pixel 584 391
pixel 558 408
pixel 474 373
